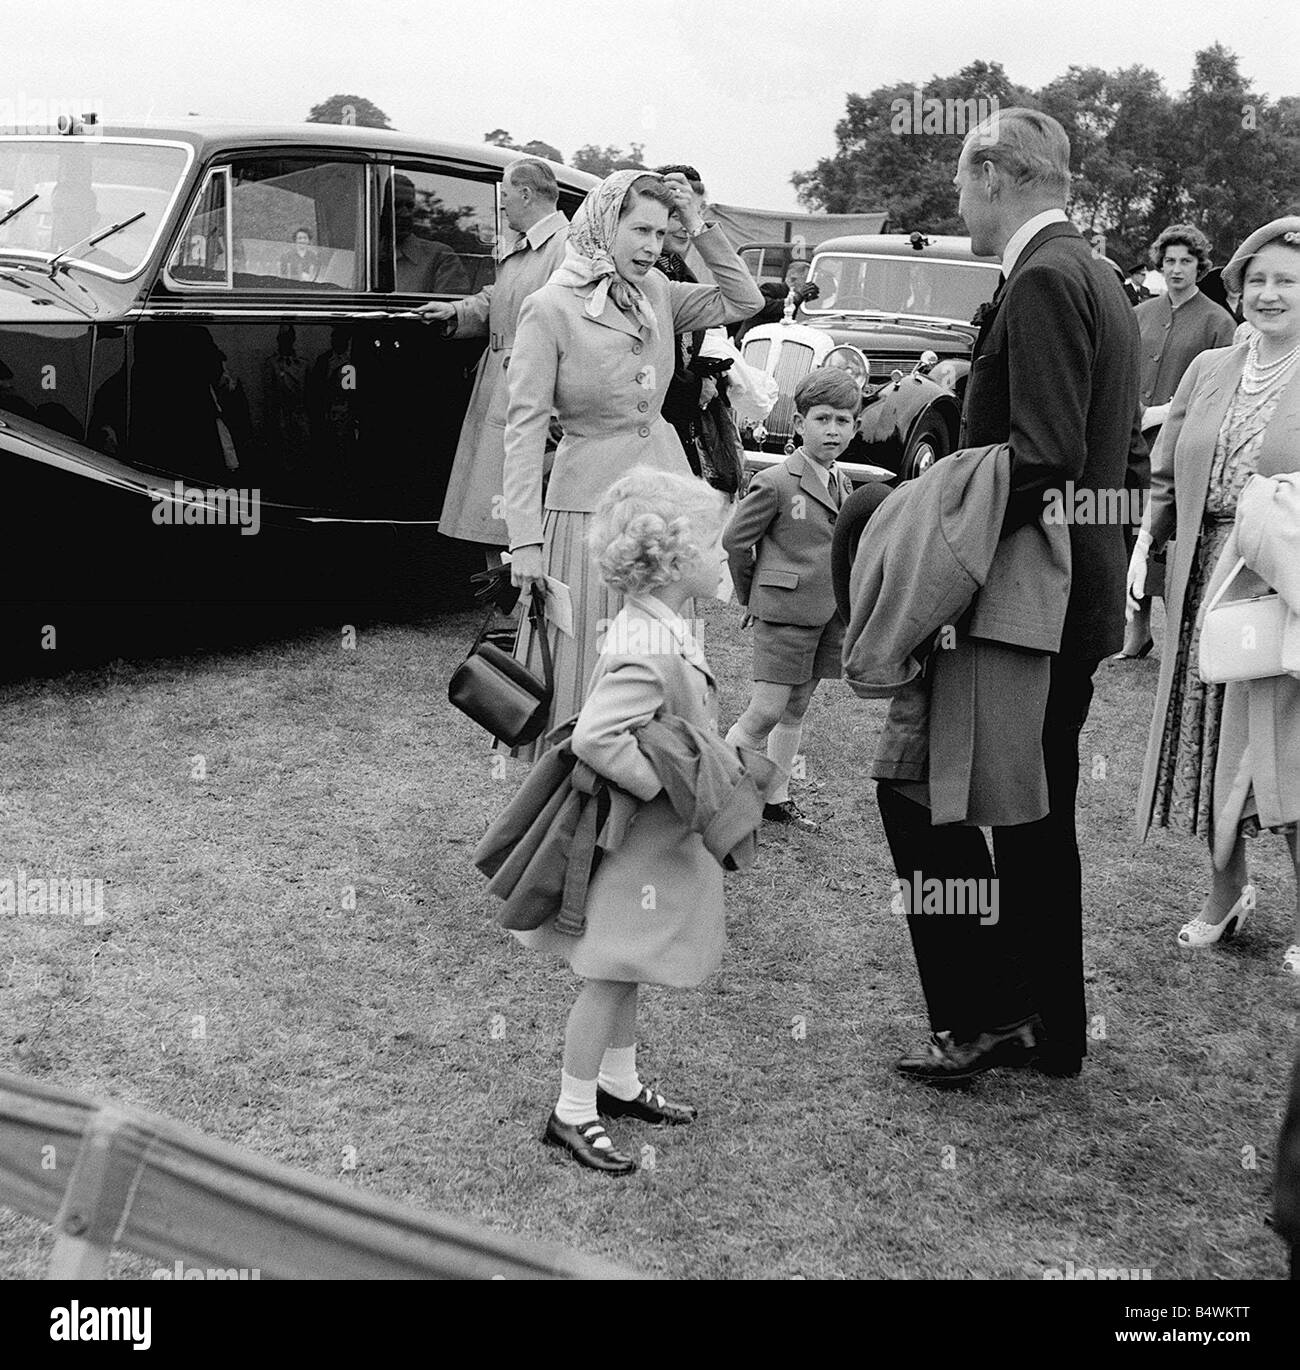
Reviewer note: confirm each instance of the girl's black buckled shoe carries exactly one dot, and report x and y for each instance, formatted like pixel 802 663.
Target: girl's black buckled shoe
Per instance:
pixel 579 1139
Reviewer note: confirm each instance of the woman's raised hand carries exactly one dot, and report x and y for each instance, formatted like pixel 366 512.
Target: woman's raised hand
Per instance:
pixel 680 189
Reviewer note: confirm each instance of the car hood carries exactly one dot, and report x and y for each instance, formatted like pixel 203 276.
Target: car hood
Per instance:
pixel 890 334
pixel 28 296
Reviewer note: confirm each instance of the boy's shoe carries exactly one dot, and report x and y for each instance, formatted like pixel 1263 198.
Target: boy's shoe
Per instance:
pixel 789 812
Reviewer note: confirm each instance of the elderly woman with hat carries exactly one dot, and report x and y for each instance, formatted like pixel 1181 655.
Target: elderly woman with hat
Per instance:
pixel 597 346
pixel 1223 761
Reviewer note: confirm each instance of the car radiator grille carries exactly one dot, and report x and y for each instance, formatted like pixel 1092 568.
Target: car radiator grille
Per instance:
pixel 756 353
pixel 792 365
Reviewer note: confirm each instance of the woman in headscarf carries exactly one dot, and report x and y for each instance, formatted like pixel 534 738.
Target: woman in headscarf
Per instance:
pixel 1223 761
pixel 597 346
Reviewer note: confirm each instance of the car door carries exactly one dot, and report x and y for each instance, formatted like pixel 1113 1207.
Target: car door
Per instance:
pixel 255 355
pixel 437 240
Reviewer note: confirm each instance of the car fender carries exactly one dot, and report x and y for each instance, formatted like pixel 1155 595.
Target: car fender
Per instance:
pixel 893 415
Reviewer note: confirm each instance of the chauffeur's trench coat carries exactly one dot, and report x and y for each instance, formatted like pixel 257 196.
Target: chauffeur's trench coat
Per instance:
pixel 472 507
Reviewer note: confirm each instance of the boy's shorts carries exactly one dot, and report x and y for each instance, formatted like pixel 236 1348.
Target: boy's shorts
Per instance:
pixel 794 654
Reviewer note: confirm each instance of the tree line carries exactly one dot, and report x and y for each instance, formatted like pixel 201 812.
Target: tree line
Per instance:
pixel 592 158
pixel 1219 155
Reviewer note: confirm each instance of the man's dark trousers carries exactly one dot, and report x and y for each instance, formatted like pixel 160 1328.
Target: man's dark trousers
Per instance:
pixel 978 977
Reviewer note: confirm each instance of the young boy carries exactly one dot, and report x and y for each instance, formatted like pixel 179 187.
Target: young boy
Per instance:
pixel 778 543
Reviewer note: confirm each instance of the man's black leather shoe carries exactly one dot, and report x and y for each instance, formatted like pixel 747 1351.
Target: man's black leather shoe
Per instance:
pixel 648 1106
pixel 577 1139
pixel 946 1062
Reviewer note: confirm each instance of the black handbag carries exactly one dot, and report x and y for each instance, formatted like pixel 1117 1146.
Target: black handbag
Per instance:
pixel 500 693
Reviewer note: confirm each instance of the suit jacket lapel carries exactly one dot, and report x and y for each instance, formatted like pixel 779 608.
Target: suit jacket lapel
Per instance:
pixel 610 317
pixel 1206 412
pixel 810 482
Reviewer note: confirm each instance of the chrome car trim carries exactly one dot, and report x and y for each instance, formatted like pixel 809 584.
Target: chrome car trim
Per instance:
pixel 228 226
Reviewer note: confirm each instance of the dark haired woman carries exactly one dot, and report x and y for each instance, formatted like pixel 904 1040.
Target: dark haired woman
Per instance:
pixel 596 345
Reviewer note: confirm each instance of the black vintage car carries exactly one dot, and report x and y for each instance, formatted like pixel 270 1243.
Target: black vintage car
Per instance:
pixel 894 310
pixel 198 319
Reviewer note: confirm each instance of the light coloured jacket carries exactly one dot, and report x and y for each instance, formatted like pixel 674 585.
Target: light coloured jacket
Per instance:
pixel 930 550
pixel 473 506
pixel 606 378
pixel 967 733
pixel 1259 732
pixel 1185 450
pixel 778 543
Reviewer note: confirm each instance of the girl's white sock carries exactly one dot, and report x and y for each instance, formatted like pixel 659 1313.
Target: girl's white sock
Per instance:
pixel 618 1072
pixel 577 1103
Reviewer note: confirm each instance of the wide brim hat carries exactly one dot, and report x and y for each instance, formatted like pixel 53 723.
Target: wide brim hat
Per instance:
pixel 1236 268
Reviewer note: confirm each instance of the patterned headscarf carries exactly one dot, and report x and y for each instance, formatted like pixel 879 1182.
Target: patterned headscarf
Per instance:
pixel 586 255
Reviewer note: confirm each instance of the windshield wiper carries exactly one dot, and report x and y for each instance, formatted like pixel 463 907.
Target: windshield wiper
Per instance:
pixel 18 209
pixel 93 240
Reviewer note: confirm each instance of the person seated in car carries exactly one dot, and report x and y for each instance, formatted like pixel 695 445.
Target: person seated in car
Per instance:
pixel 793 283
pixel 424 265
pixel 301 262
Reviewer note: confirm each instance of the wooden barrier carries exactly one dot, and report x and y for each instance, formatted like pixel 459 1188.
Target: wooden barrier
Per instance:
pixel 106 1177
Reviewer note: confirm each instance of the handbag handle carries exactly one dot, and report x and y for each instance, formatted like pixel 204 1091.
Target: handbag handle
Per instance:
pixel 537 613
pixel 1231 576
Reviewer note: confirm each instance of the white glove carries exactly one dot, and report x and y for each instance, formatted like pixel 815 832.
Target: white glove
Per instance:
pixel 1155 415
pixel 1137 574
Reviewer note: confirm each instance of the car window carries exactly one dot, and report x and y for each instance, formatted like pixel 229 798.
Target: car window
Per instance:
pixel 200 257
pixel 296 222
pixel 924 286
pixel 445 232
pixel 81 188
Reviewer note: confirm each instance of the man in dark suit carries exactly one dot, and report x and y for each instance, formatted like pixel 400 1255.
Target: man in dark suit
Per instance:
pixel 1054 376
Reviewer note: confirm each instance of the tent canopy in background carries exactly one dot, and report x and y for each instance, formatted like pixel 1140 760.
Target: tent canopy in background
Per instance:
pixel 782 226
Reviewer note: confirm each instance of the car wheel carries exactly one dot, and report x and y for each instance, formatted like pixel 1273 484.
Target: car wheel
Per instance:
pixel 929 443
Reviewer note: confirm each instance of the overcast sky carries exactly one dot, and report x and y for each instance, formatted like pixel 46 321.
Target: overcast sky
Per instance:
pixel 748 90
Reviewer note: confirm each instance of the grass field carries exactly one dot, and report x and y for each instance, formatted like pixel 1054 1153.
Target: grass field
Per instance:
pixel 231 802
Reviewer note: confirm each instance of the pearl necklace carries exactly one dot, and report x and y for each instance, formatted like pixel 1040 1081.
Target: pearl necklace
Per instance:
pixel 1258 376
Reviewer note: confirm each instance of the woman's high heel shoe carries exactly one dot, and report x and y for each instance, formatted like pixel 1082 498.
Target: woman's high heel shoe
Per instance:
pixel 1199 933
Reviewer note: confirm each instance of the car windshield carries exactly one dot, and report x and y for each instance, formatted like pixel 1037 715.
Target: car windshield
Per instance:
pixel 926 286
pixel 84 186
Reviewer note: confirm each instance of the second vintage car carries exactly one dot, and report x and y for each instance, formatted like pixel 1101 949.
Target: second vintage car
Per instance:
pixel 895 311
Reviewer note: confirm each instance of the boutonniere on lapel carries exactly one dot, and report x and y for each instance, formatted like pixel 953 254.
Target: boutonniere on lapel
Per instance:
pixel 984 314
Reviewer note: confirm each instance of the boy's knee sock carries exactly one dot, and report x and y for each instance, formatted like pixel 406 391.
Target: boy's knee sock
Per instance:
pixel 782 748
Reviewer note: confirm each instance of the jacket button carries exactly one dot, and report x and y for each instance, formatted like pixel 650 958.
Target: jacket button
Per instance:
pixel 636 349
pixel 643 406
pixel 644 431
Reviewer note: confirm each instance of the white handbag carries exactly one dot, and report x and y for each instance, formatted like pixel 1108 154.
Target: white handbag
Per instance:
pixel 1241 639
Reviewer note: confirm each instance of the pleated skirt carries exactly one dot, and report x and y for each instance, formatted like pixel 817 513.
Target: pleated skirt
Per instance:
pixel 565 556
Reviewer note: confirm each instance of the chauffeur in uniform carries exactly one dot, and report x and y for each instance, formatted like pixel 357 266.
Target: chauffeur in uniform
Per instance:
pixel 472 508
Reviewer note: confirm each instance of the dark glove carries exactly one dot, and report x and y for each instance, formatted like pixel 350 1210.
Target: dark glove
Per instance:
pixel 809 290
pixel 494 587
pixel 709 368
